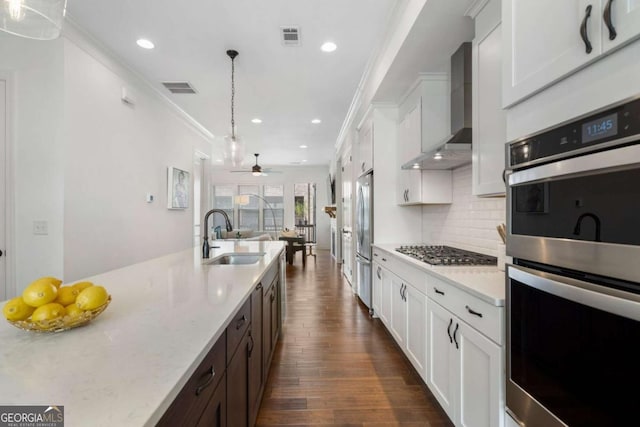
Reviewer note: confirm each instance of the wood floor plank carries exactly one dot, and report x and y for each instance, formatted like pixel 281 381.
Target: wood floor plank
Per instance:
pixel 336 366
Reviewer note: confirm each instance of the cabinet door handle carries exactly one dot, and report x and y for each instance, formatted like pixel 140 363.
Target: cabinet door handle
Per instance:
pixel 211 373
pixel 449 330
pixel 375 254
pixel 583 30
pixel 241 322
pixel 475 313
pixel 273 296
pixel 438 291
pixel 401 286
pixel 408 198
pixel 378 273
pixel 250 346
pixel 259 286
pixel 607 20
pixel 362 166
pixel 454 334
pixel 504 176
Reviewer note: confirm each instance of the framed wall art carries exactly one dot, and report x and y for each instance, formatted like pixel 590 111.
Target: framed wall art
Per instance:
pixel 177 188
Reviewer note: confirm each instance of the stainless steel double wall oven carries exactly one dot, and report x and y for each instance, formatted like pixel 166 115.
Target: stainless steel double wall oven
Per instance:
pixel 573 291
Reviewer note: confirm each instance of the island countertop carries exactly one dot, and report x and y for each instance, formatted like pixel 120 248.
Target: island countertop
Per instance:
pixel 126 367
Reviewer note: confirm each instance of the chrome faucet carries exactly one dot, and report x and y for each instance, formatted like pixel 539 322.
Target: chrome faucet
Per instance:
pixel 205 237
pixel 576 229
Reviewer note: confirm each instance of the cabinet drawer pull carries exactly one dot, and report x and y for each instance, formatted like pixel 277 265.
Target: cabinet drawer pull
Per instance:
pixel 449 330
pixel 475 313
pixel 583 30
pixel 607 20
pixel 438 291
pixel 250 346
pixel 454 334
pixel 375 254
pixel 384 259
pixel 241 322
pixel 210 375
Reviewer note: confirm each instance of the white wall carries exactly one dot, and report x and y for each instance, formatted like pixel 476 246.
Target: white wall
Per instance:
pixel 36 68
pixel 84 161
pixel 115 154
pixel 290 175
pixel 467 223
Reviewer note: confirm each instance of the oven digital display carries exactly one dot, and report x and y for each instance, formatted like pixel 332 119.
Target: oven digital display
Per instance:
pixel 600 128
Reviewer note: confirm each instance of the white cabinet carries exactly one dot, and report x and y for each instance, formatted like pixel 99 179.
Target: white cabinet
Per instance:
pixel 365 148
pixel 398 324
pixel 423 125
pixel 547 40
pixel 465 367
pixel 417 187
pixel 489 119
pixel 416 347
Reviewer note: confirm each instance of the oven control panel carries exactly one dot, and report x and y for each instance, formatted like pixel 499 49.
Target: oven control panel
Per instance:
pixel 610 127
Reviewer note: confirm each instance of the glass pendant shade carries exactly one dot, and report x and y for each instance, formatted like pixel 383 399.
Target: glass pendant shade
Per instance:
pixel 233 151
pixel 33 19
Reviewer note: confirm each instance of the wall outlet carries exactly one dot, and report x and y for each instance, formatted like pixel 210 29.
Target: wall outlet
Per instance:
pixel 40 228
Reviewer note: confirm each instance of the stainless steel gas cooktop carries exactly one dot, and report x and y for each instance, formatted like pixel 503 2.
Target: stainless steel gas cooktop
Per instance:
pixel 446 255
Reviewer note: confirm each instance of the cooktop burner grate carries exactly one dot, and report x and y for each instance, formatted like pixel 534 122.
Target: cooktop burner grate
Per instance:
pixel 446 255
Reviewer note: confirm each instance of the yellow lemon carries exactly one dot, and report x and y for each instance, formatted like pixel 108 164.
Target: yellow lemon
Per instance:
pixel 92 297
pixel 81 286
pixel 50 279
pixel 50 311
pixel 39 293
pixel 67 295
pixel 17 309
pixel 73 311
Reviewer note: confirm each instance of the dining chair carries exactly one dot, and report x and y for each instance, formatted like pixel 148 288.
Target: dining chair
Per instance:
pixel 309 232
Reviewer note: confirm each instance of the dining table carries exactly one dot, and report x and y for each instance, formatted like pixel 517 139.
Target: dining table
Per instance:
pixel 295 243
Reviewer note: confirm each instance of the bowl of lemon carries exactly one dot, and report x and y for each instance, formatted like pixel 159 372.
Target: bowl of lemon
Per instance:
pixel 48 306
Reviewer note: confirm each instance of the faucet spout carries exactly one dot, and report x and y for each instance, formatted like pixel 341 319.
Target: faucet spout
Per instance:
pixel 576 229
pixel 205 236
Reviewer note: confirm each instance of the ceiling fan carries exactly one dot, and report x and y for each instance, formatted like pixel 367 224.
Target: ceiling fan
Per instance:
pixel 257 170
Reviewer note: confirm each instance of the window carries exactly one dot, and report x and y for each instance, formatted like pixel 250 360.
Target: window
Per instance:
pixel 249 213
pixel 304 197
pixel 222 199
pixel 273 208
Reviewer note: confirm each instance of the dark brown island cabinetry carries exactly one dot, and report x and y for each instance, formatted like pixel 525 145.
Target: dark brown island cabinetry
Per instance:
pixel 226 389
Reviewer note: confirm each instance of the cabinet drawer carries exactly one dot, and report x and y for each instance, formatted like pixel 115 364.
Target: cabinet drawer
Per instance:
pixel 192 400
pixel 405 271
pixel 486 318
pixel 237 327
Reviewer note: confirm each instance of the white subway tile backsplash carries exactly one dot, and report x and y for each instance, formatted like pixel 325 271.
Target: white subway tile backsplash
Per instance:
pixel 469 222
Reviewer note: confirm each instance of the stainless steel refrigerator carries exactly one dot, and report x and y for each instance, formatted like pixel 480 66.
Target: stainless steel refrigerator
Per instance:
pixel 364 236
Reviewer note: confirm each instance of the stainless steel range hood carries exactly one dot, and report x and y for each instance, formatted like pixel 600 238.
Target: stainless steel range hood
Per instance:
pixel 454 150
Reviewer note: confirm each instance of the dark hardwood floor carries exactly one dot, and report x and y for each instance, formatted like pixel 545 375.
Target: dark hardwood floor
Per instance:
pixel 334 365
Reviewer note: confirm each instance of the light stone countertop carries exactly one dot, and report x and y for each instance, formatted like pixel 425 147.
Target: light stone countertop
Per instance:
pixel 126 367
pixel 486 283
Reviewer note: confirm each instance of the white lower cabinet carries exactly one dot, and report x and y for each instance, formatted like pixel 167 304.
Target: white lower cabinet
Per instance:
pixel 452 338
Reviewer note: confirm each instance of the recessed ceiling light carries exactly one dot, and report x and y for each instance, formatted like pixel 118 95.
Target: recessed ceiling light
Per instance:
pixel 304 161
pixel 145 44
pixel 303 146
pixel 328 47
pixel 256 120
pixel 316 121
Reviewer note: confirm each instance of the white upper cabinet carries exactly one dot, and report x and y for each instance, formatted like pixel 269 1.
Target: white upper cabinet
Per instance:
pixel 621 19
pixel 365 148
pixel 543 42
pixel 489 119
pixel 546 40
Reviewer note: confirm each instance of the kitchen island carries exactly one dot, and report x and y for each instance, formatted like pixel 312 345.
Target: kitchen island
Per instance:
pixel 126 367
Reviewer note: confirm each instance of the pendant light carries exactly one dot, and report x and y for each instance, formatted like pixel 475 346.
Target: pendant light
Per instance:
pixel 233 146
pixel 33 19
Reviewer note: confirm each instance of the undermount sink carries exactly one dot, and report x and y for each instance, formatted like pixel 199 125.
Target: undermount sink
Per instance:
pixel 237 258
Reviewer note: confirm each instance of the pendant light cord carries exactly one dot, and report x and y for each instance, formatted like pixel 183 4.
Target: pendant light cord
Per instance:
pixel 233 96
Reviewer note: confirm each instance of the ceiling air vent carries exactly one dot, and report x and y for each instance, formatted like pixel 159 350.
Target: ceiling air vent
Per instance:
pixel 179 87
pixel 290 36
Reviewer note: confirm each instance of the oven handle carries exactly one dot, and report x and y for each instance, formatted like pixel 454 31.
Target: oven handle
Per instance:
pixel 611 300
pixel 589 164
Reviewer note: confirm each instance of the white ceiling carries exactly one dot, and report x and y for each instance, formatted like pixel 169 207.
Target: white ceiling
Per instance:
pixel 284 86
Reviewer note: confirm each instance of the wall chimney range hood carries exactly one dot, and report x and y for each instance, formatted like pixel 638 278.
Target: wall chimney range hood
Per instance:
pixel 454 150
